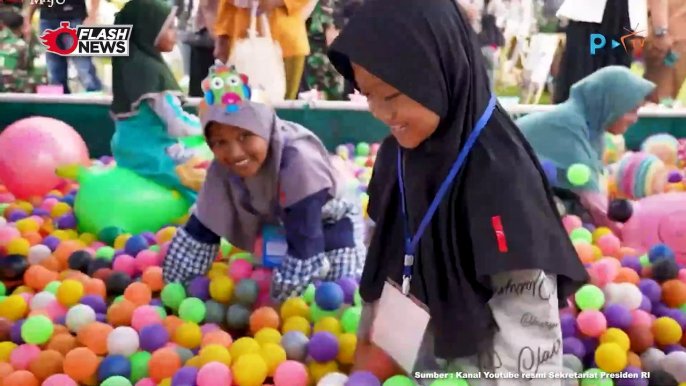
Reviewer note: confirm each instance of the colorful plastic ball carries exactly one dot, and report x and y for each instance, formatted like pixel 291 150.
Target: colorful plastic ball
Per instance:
pixel 188 335
pixel 117 282
pixel 144 316
pixel 221 289
pixel 615 335
pixel 185 376
pixel 240 269
pixel 591 323
pixel 38 253
pixel 214 373
pixel 116 381
pixel 215 353
pixel 80 364
pixel 79 316
pixel 153 337
pixel 295 343
pixel 323 346
pixel 13 307
pixel 20 378
pixel 318 370
pixel 18 246
pixel 238 317
pixel 163 364
pixel 294 307
pixel 609 244
pixel 666 331
pixel 291 373
pixel 398 380
pixel 243 346
pixel 123 341
pixel 273 356
pixel 346 348
pixel 329 296
pixel 268 335
pixel 578 174
pixel 264 317
pixel 328 324
pixel 113 365
pixel 350 319
pixel 37 329
pixel 246 292
pixel 139 365
pixel 660 251
pixel 250 370
pixel 610 357
pixel 296 323
pixel 172 295
pixel 192 310
pixel 333 379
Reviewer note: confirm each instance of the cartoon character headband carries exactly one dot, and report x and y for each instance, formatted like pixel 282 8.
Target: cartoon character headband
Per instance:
pixel 225 86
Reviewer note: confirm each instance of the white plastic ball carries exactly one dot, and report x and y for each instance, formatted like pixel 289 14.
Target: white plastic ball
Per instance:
pixel 333 379
pixel 41 300
pixel 3 222
pixel 675 364
pixel 123 341
pixel 79 316
pixel 651 359
pixel 38 253
pixel 631 296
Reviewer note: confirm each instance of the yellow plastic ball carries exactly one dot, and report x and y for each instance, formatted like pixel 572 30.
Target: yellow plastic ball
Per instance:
pixel 615 335
pixel 666 331
pixel 60 209
pixel 25 206
pixel 70 292
pixel 194 362
pixel 243 346
pixel 18 246
pixel 296 323
pixel 610 357
pixel 6 349
pixel 294 307
pixel 165 235
pixel 219 266
pixel 328 324
pixel 61 234
pixel 600 232
pixel 165 382
pixel 188 335
pixel 268 335
pixel 56 193
pixel 250 370
pixel 346 348
pixel 597 253
pixel 319 370
pixel 22 289
pixel 273 356
pixel 72 234
pixel 14 307
pixel 87 238
pixel 121 240
pixel 214 353
pixel 221 289
pixel 27 225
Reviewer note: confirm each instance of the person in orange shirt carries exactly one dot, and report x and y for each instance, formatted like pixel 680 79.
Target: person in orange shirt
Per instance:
pixel 287 27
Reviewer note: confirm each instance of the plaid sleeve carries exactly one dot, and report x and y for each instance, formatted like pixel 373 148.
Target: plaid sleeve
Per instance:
pixel 187 258
pixel 294 275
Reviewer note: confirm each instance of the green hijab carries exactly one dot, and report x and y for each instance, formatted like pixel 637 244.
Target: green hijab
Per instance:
pixel 144 71
pixel 573 132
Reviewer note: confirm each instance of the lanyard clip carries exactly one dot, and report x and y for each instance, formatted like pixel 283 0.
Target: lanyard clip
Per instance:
pixel 406 285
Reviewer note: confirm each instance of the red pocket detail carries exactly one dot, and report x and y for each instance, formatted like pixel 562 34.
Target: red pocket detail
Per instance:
pixel 499 233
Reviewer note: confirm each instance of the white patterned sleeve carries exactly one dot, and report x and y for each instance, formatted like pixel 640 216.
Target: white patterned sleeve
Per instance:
pixel 179 123
pixel 528 345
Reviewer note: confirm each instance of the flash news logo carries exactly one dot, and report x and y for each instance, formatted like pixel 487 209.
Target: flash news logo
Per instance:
pixel 102 40
pixel 598 41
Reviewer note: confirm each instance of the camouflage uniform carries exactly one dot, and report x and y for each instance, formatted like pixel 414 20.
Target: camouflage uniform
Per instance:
pixel 17 70
pixel 319 72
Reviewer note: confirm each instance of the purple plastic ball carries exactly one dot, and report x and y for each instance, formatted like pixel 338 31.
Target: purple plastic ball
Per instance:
pixel 40 212
pixel 660 309
pixel 589 343
pixel 349 285
pixel 617 316
pixel 568 325
pixel 651 289
pixel 632 380
pixel 15 332
pixel 573 346
pixel 589 226
pixel 156 302
pixel 678 316
pixel 323 346
pixel 135 244
pixel 95 302
pixel 632 262
pixel 200 288
pixel 62 319
pixel 66 221
pixel 362 378
pixel 149 237
pixel 102 318
pixel 17 215
pixel 673 348
pixel 153 336
pixel 675 176
pixel 646 305
pixel 51 242
pixel 185 376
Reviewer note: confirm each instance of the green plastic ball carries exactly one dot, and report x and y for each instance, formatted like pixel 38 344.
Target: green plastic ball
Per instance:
pixel 3 289
pixel 192 310
pixel 308 296
pixel 154 248
pixel 399 380
pixel 117 380
pixel 357 299
pixel 118 299
pixel 579 174
pixel 52 287
pixel 581 234
pixel 316 313
pixel 589 297
pixel 450 382
pixel 37 329
pixel 109 234
pixel 172 295
pixel 242 256
pixel 139 365
pixel 105 253
pixel 225 247
pixel 351 319
pixel 645 261
pixel 161 311
pixel 593 377
pixel 362 149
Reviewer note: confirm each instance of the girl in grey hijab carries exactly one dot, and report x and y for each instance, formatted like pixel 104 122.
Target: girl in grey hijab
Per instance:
pixel 267 172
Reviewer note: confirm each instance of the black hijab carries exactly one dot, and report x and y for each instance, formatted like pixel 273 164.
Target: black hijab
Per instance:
pixel 427 50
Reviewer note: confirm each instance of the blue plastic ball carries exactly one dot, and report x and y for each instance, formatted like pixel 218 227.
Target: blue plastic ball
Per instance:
pixel 329 296
pixel 660 251
pixel 550 171
pixel 114 365
pixel 135 244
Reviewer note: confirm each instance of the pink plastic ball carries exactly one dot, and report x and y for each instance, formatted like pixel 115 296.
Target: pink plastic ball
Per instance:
pixel 641 318
pixel 604 271
pixel 31 149
pixel 209 327
pixel 263 277
pixel 146 382
pixel 240 269
pixel 97 245
pixel 164 248
pixel 59 380
pixel 263 300
pixel 38 220
pixel 23 355
pixel 144 316
pixel 290 373
pixel 609 245
pixel 7 198
pixel 48 203
pixel 146 259
pixel 7 233
pixel 682 275
pixel 592 323
pixel 124 263
pixel 27 296
pixel 55 309
pixel 571 222
pixel 214 373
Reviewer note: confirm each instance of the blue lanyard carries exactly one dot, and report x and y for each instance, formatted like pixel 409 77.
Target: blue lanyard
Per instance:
pixel 411 242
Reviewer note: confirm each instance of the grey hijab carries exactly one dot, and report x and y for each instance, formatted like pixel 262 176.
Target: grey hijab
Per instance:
pixel 296 167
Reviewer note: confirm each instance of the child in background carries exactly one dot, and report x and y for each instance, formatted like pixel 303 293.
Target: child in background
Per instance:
pixel 18 72
pixel 147 105
pixel 267 172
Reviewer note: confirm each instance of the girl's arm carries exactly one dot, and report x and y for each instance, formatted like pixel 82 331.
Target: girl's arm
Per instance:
pixel 179 123
pixel 191 253
pixel 305 260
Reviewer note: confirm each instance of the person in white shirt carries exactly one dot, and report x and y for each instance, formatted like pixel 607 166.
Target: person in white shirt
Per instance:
pixel 610 18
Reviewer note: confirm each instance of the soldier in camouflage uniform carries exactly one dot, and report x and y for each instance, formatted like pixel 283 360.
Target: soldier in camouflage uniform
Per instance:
pixel 17 70
pixel 319 73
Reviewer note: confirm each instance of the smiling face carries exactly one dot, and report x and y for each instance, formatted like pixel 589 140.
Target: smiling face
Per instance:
pixel 410 122
pixel 237 149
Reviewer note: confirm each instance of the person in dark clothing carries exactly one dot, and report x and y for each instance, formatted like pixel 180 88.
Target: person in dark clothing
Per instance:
pixel 76 13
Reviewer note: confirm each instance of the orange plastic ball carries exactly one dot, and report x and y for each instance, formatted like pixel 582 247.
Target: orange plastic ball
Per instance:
pixel 171 323
pixel 94 337
pixel 138 293
pixel 163 364
pixel 62 343
pixel 5 370
pixel 47 363
pixel 264 317
pixel 65 249
pixel 627 275
pixel 21 378
pixel 120 314
pixel 95 287
pixel 152 276
pixel 219 337
pixel 674 293
pixel 80 364
pixel 37 277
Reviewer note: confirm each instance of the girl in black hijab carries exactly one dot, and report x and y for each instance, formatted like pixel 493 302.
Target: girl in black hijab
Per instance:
pixel 494 262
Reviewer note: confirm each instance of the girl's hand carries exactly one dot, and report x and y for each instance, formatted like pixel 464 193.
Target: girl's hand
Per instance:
pixel 190 175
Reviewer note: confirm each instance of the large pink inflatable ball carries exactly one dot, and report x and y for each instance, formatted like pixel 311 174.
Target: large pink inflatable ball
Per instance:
pixel 659 219
pixel 30 151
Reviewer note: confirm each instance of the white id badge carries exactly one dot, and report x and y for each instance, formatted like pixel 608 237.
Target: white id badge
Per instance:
pixel 399 326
